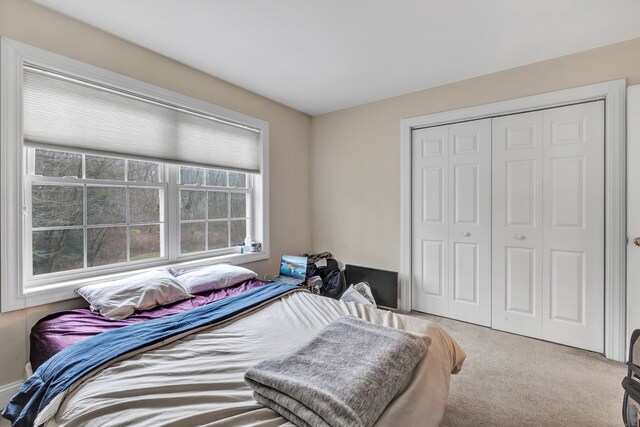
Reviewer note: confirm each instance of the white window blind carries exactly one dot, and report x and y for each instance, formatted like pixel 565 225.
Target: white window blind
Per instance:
pixel 63 111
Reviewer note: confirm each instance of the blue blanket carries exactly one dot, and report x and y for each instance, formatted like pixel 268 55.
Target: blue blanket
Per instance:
pixel 74 362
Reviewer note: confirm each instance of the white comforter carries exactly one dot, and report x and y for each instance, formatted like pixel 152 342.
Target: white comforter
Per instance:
pixel 198 380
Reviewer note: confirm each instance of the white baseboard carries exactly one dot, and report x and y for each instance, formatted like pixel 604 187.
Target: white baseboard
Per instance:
pixel 7 391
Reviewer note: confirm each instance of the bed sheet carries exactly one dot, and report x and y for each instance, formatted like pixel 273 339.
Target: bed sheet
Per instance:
pixel 198 380
pixel 59 330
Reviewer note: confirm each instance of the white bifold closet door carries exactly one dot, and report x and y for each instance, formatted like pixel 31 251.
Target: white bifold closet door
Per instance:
pixel 548 224
pixel 517 224
pixel 451 221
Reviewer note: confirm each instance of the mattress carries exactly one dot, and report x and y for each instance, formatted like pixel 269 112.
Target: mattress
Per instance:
pixel 197 379
pixel 59 330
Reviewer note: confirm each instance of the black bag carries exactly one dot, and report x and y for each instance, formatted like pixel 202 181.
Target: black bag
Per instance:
pixel 333 280
pixel 314 270
pixel 333 285
pixel 631 383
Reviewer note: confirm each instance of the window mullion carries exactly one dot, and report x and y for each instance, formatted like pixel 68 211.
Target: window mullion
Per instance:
pixel 84 222
pixel 206 220
pixel 172 211
pixel 228 218
pixel 94 182
pixel 127 217
pixel 249 219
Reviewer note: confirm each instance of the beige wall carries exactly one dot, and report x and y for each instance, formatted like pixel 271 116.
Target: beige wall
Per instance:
pixel 355 168
pixel 289 139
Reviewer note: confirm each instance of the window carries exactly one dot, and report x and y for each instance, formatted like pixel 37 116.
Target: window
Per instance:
pixel 87 211
pixel 214 211
pixel 103 175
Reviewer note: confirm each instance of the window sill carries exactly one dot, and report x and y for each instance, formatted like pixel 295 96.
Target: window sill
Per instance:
pixel 65 290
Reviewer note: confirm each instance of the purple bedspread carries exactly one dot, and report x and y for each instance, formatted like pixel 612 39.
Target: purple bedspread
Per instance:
pixel 59 330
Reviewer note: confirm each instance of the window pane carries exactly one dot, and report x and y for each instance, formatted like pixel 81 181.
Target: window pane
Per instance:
pixel 99 167
pixel 145 242
pixel 106 245
pixel 192 204
pixel 238 232
pixel 238 205
pixel 56 205
pixel 218 204
pixel 192 237
pixel 237 179
pixel 189 175
pixel 143 171
pixel 57 250
pixel 216 178
pixel 144 205
pixel 58 163
pixel 218 234
pixel 106 205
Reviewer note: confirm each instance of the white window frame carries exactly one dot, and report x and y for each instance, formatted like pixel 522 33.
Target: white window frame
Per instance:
pixel 14 295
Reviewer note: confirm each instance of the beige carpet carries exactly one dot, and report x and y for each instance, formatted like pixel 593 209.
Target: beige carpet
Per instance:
pixel 509 380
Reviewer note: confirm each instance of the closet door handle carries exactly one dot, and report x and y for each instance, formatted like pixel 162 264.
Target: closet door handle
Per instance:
pixel 466 234
pixel 520 237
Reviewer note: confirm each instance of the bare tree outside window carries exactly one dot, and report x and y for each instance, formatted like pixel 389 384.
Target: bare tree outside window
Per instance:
pixel 86 222
pixel 58 164
pixel 57 250
pixel 98 167
pixel 143 171
pixel 213 209
pixel 94 211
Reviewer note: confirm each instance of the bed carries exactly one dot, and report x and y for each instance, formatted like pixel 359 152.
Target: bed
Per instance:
pixel 195 377
pixel 59 330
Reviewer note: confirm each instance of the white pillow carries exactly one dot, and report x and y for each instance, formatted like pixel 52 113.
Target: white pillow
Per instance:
pixel 118 299
pixel 217 276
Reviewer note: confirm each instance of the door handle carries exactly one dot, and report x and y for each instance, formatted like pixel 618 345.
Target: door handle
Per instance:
pixel 467 234
pixel 637 241
pixel 520 237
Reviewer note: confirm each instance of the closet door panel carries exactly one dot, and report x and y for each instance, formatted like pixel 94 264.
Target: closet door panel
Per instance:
pixel 567 286
pixel 465 202
pixel 573 250
pixel 517 230
pixel 568 192
pixel 470 221
pixel 520 280
pixel 465 272
pixel 520 188
pixel 430 220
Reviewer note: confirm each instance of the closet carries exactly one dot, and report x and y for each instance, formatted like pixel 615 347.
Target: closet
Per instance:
pixel 508 223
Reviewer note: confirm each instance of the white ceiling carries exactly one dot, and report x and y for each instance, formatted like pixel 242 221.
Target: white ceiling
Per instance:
pixel 325 55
